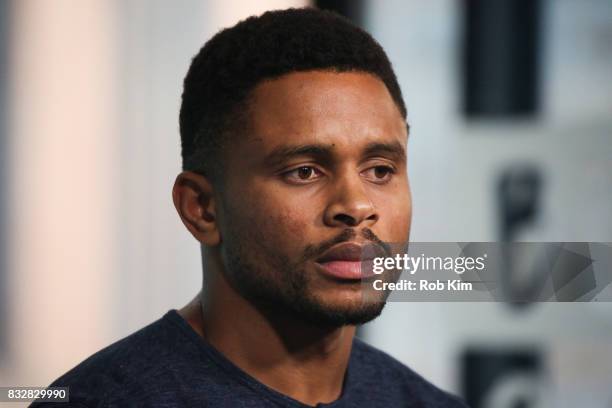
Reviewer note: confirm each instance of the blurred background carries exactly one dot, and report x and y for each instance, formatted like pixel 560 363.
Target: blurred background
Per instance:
pixel 510 104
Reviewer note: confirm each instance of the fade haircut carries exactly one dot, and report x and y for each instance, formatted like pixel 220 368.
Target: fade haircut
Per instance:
pixel 233 62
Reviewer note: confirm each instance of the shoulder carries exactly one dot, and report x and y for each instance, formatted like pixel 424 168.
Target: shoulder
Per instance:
pixel 127 367
pixel 397 381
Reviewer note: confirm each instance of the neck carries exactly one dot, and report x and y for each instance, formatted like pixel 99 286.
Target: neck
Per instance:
pixel 302 361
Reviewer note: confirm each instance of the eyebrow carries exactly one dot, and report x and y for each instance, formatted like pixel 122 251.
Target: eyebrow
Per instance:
pixel 394 150
pixel 281 154
pixel 324 152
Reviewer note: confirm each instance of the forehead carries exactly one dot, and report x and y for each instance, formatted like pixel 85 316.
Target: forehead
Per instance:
pixel 344 109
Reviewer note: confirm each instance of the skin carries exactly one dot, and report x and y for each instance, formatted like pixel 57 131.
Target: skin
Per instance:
pixel 271 210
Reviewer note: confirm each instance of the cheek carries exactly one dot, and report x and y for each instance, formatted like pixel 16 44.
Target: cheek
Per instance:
pixel 272 222
pixel 396 217
pixel 287 224
pixel 292 223
pixel 400 227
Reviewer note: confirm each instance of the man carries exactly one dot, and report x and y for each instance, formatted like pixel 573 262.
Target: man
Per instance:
pixel 294 134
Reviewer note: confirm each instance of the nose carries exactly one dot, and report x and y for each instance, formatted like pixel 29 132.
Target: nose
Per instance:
pixel 349 205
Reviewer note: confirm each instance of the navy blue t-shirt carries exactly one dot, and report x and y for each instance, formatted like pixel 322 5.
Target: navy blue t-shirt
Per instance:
pixel 167 364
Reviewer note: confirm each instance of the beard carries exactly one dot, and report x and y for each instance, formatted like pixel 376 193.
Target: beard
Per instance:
pixel 274 283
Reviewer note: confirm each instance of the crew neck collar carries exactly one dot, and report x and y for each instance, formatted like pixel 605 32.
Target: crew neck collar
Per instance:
pixel 246 379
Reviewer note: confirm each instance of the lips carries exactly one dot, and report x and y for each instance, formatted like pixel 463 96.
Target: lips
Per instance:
pixel 349 261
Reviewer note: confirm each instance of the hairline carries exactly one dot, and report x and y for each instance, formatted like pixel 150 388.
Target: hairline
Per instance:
pixel 242 111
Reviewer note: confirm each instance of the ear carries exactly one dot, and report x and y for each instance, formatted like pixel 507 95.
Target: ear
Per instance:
pixel 194 201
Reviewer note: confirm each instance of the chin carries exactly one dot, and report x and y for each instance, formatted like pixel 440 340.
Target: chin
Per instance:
pixel 340 310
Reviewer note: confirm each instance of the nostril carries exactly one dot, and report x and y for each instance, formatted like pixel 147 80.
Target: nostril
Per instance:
pixel 346 219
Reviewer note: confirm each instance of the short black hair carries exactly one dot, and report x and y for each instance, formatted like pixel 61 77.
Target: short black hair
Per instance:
pixel 235 60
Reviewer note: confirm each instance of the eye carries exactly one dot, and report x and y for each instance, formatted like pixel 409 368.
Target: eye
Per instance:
pixel 379 174
pixel 303 174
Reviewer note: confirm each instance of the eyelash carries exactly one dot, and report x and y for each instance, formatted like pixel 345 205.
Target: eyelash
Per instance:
pixel 390 171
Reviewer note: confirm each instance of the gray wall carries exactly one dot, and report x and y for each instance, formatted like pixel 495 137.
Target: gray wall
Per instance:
pixel 453 165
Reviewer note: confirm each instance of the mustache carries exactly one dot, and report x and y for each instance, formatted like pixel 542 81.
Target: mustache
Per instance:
pixel 348 234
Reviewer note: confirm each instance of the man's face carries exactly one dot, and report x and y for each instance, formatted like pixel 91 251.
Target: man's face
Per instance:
pixel 321 164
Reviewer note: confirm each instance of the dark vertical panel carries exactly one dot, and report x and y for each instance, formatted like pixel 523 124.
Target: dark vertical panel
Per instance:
pixel 490 374
pixel 500 57
pixel 351 9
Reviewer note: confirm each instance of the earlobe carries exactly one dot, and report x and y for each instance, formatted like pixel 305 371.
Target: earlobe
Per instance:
pixel 194 201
